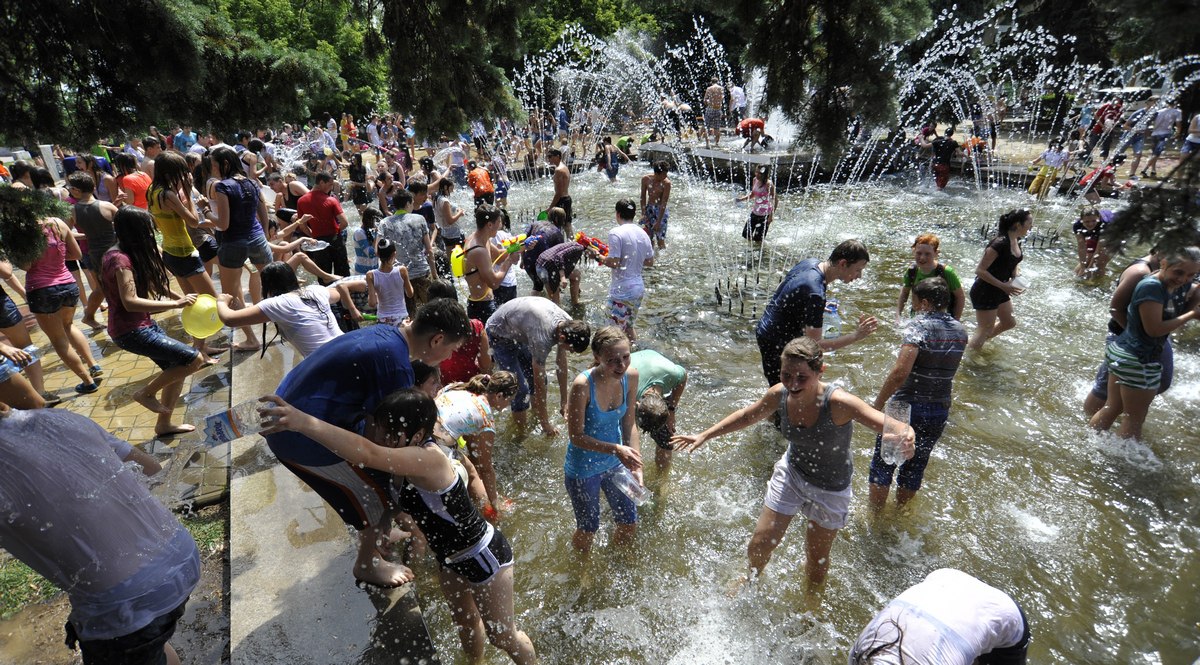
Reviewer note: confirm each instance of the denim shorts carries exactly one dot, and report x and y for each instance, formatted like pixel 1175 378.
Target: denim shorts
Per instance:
pixel 585 500
pixel 143 646
pixel 152 342
pixel 50 299
pixel 513 357
pixel 1160 143
pixel 9 314
pixel 183 266
pixel 207 249
pixel 233 253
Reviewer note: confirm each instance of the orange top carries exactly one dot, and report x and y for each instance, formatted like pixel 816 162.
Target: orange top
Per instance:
pixel 137 183
pixel 480 181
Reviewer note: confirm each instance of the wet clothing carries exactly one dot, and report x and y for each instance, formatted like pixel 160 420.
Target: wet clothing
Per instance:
pixel 944 148
pixel 1134 339
pixel 120 320
pixel 409 231
pixel 984 296
pixel 304 318
pixel 656 371
pixel 558 262
pixel 243 195
pixel 88 524
pixel 176 241
pixel 390 289
pixel 462 540
pixel 463 363
pixel 820 453
pixel 601 425
pixel 137 183
pixel 530 321
pixel 1091 237
pixel 940 342
pixel 950 618
pixel 630 244
pixel 798 304
pixel 547 235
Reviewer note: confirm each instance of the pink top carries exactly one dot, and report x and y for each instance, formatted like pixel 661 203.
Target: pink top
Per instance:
pixel 120 320
pixel 50 269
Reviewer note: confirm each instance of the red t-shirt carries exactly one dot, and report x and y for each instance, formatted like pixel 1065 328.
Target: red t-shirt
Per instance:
pixel 120 320
pixel 324 209
pixel 137 183
pixel 462 365
pixel 480 182
pixel 748 124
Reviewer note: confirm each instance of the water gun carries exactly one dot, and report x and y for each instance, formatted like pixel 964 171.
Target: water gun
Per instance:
pixel 514 244
pixel 594 243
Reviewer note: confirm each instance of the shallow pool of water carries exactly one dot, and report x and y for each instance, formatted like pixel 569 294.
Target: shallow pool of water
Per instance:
pixel 1096 538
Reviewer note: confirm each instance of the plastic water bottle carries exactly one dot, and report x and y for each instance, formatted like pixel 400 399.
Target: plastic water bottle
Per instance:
pixel 241 420
pixel 8 367
pixel 630 487
pixel 832 320
pixel 896 415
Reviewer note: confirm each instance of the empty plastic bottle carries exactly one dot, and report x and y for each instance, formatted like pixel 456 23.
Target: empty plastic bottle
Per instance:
pixel 630 487
pixel 241 420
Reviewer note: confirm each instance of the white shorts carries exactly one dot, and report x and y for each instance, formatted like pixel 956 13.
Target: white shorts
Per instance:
pixel 788 493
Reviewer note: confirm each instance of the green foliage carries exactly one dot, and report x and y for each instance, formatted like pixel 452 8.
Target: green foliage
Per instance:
pixel 543 22
pixel 20 586
pixel 1166 216
pixel 442 57
pixel 21 238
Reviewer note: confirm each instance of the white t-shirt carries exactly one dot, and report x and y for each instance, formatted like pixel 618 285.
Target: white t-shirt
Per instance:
pixel 631 244
pixel 304 326
pixel 510 277
pixel 950 618
pixel 1165 121
pixel 737 96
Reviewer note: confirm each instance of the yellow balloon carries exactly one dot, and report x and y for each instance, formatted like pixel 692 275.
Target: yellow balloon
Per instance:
pixel 200 320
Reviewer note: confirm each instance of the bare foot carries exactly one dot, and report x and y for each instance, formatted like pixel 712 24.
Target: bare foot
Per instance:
pixel 175 429
pixel 151 402
pixel 209 360
pixel 213 350
pixel 92 323
pixel 247 346
pixel 735 587
pixel 392 538
pixel 383 573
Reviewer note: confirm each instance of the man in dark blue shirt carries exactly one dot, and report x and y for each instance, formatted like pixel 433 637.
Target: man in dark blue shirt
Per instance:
pixel 798 306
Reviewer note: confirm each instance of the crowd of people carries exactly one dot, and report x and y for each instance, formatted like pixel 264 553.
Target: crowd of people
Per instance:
pixel 366 421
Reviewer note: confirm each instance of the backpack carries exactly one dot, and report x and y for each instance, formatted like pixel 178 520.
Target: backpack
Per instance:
pixel 911 276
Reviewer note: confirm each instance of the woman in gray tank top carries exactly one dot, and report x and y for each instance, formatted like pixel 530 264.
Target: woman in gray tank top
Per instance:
pixel 813 476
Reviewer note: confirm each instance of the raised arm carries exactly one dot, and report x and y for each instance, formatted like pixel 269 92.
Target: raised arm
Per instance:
pixel 733 422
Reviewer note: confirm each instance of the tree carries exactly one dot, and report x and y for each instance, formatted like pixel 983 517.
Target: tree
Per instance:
pixel 1166 215
pixel 442 57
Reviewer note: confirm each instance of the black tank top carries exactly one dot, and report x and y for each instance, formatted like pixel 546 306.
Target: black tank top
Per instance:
pixel 290 200
pixel 448 519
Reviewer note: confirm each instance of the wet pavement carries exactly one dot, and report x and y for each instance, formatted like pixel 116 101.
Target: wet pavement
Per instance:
pixel 293 596
pixel 196 477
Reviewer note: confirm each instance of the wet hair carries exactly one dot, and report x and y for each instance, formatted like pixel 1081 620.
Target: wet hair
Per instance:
pixel 1174 256
pixel 950 130
pixel 505 219
pixel 442 316
pixel 278 278
pixel 1089 211
pixel 426 163
pixel 1011 219
pixel 41 178
pixel 242 135
pixel 423 371
pixel 19 169
pixel 83 181
pixel 228 164
pixel 125 163
pixel 806 350
pixel 401 198
pixel 485 213
pixel 415 187
pixel 762 174
pixel 577 334
pixel 661 166
pixel 851 251
pixel 472 164
pixel 935 290
pixel 626 209
pixel 499 382
pixel 557 216
pixel 652 413
pixel 371 217
pixel 135 236
pixel 606 337
pixel 554 152
pixel 878 646
pixel 927 239
pixel 170 175
pixel 386 250
pixel 406 413
pixel 323 177
pixel 255 145
pixel 440 288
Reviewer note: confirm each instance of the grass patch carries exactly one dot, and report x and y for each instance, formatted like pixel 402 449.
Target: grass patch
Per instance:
pixel 21 586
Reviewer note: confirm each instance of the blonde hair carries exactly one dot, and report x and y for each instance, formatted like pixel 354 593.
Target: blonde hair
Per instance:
pixel 804 349
pixel 606 337
pixel 498 381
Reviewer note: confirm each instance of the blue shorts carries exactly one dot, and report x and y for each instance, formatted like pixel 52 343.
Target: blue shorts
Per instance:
pixel 612 169
pixel 50 299
pixel 233 253
pixel 153 343
pixel 585 500
pixel 9 314
pixel 928 420
pixel 208 249
pixel 1160 144
pixel 655 221
pixel 502 189
pixel 481 309
pixel 1167 360
pixel 1135 142
pixel 513 357
pixel 1189 147
pixel 183 266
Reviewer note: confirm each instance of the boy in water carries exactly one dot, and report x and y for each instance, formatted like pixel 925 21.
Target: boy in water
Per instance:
pixel 656 194
pixel 629 251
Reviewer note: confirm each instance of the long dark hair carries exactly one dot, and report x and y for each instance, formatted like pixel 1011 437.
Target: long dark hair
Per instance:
pixel 278 278
pixel 1012 218
pixel 135 238
pixel 406 413
pixel 228 164
pixel 170 175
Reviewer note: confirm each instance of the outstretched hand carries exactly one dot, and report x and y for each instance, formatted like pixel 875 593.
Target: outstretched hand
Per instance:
pixel 866 325
pixel 688 442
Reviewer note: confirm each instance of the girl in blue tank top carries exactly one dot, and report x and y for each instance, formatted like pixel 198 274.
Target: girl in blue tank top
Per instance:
pixel 603 441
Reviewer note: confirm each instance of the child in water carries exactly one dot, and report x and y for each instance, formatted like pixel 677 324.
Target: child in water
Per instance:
pixel 388 285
